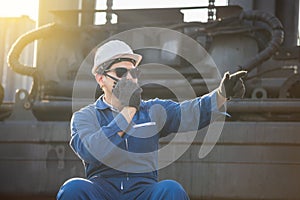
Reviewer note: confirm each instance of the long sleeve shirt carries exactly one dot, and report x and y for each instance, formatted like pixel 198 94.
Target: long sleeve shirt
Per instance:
pixel 95 138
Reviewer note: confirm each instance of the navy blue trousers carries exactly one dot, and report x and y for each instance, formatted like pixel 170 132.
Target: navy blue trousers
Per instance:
pixel 133 188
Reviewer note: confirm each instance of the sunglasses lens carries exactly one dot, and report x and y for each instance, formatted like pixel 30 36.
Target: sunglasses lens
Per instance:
pixel 120 72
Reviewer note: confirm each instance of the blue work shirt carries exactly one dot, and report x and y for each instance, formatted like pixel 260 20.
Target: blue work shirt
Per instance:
pixel 95 139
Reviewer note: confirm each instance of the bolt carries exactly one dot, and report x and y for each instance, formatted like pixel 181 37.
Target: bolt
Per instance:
pixel 27 105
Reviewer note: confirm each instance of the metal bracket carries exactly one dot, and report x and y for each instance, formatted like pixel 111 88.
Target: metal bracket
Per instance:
pixel 286 53
pixel 21 110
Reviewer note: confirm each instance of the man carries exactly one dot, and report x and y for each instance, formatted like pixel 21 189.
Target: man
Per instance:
pixel 117 137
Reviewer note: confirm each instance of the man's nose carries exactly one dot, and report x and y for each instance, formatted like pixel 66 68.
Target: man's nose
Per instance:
pixel 129 76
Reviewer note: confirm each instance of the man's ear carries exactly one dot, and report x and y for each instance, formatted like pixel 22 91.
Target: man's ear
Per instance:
pixel 99 79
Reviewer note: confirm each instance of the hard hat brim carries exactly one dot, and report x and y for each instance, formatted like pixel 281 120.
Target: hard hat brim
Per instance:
pixel 136 57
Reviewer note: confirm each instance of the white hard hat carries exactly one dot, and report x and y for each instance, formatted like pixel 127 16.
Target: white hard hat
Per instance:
pixel 111 51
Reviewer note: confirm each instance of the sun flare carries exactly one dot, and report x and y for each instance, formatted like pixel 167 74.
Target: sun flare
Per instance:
pixel 17 8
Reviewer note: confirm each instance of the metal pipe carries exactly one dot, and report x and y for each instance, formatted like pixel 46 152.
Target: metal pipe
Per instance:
pixel 265 6
pixel 6 107
pixel 276 40
pixel 288 8
pixel 262 106
pixel 1 94
pixel 87 18
pixel 245 105
pixel 62 110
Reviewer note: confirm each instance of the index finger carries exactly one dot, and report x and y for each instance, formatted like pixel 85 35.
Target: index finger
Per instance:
pixel 239 74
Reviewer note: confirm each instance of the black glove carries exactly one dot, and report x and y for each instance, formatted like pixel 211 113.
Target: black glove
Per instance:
pixel 128 93
pixel 232 85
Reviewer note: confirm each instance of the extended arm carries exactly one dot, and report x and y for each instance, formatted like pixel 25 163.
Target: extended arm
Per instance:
pixel 198 113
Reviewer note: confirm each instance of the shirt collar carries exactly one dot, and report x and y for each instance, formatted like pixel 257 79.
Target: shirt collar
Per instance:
pixel 102 104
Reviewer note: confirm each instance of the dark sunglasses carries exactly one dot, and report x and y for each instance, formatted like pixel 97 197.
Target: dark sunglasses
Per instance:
pixel 122 71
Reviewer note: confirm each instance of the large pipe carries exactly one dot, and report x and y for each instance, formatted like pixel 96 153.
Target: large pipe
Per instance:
pixel 266 6
pixel 14 53
pixel 264 106
pixel 16 50
pixel 248 106
pixel 62 110
pixel 87 16
pixel 1 94
pixel 277 36
pixel 288 12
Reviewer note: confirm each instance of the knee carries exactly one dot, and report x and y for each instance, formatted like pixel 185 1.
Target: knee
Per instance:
pixel 172 188
pixel 73 188
pixel 170 185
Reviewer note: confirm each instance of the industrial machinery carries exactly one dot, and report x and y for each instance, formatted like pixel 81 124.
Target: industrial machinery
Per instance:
pixel 257 154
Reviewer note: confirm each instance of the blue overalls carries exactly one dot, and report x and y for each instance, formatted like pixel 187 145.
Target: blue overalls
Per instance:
pixel 126 167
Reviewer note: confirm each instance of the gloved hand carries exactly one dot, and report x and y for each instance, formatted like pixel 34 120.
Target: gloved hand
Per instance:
pixel 128 93
pixel 232 85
